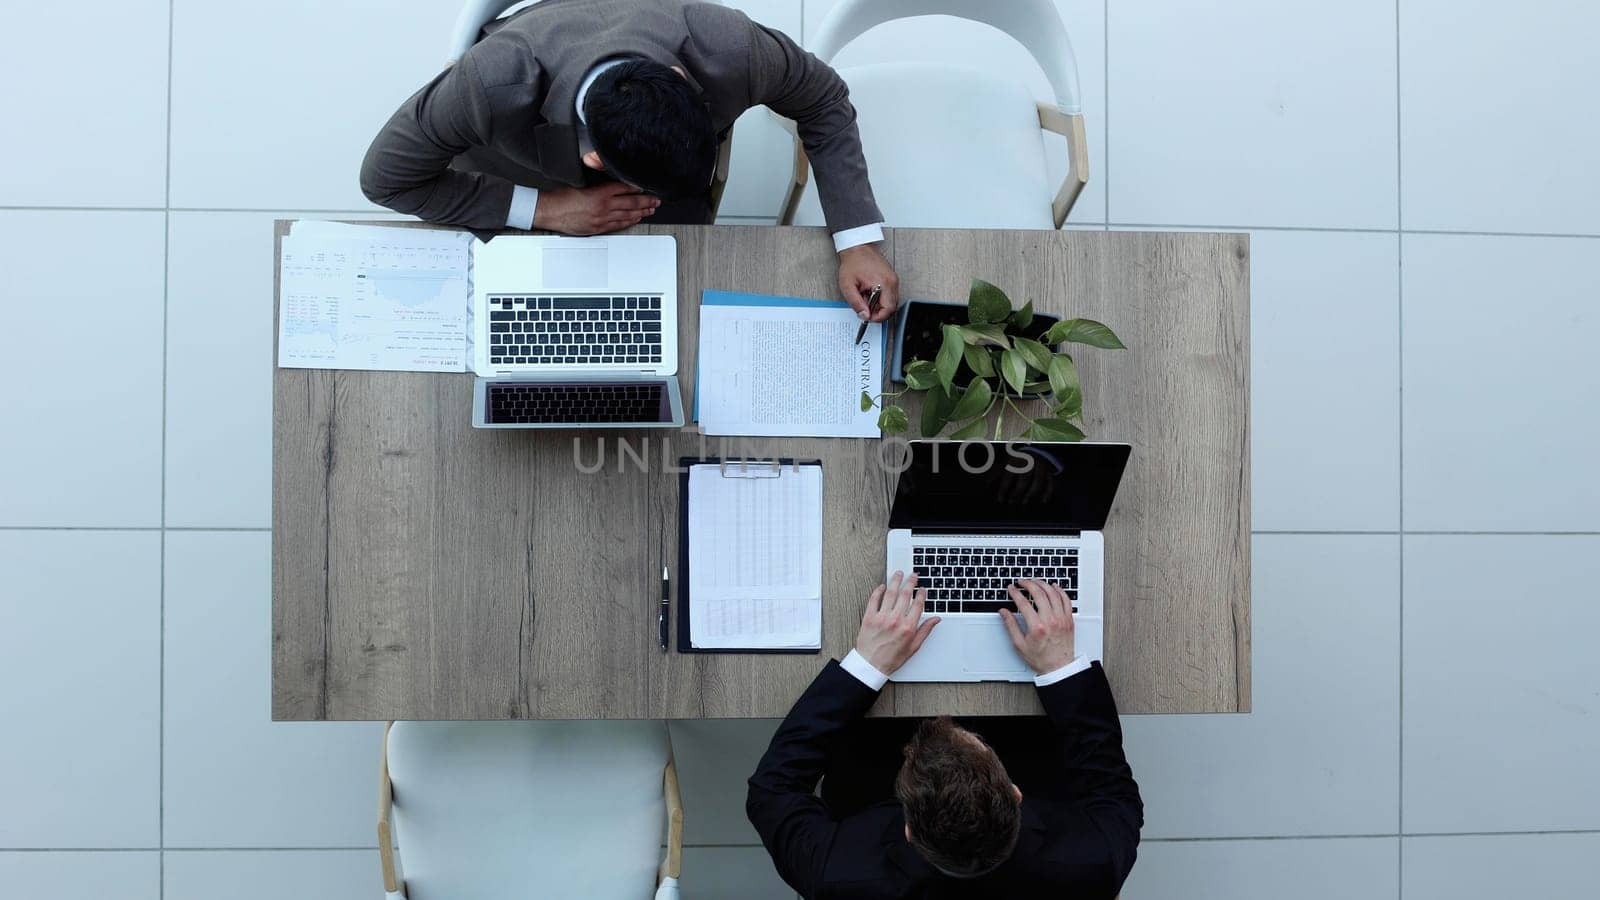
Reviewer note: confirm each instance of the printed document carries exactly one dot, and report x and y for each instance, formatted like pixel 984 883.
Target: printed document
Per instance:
pixel 755 557
pixel 792 370
pixel 374 297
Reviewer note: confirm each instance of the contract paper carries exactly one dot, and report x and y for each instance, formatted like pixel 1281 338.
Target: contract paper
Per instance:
pixel 755 557
pixel 374 297
pixel 791 370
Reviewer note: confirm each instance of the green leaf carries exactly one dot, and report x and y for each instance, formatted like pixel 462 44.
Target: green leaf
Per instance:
pixel 949 357
pixel 1053 430
pixel 1088 331
pixel 1014 369
pixel 1022 317
pixel 936 406
pixel 974 402
pixel 980 335
pixel 1057 333
pixel 893 420
pixel 967 432
pixel 1070 408
pixel 986 303
pixel 920 374
pixel 866 401
pixel 1035 387
pixel 1035 354
pixel 979 362
pixel 1063 374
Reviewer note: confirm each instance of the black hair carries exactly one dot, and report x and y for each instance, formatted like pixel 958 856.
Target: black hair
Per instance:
pixel 652 129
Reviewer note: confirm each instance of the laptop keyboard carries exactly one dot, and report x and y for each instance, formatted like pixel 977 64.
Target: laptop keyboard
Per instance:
pixel 510 404
pixel 534 330
pixel 974 579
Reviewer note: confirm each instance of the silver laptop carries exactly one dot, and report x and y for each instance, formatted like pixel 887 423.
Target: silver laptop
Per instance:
pixel 972 517
pixel 576 332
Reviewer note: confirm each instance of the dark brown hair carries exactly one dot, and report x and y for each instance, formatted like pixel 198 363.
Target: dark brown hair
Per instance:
pixel 959 802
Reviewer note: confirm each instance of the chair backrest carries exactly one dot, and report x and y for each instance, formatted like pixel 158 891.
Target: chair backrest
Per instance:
pixel 1035 24
pixel 528 809
pixel 470 21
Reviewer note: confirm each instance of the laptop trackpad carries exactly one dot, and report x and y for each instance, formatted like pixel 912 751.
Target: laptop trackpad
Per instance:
pixel 988 651
pixel 578 268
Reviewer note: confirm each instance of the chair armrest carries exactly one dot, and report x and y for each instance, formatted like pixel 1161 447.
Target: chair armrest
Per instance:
pixel 1070 127
pixel 797 185
pixel 473 16
pixel 1053 119
pixel 719 178
pixel 392 883
pixel 672 866
pixel 797 180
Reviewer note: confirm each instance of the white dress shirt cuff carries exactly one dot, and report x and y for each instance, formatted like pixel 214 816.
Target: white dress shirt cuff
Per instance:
pixel 855 237
pixel 1079 663
pixel 857 665
pixel 523 201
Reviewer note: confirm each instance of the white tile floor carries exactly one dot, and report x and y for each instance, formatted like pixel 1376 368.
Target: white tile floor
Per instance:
pixel 1416 177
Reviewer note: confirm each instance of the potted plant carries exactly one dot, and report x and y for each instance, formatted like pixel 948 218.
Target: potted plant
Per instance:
pixel 997 359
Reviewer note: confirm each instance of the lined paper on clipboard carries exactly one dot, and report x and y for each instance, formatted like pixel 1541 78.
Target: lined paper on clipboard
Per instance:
pixel 755 557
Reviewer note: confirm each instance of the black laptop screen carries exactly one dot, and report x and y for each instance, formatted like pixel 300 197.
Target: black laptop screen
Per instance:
pixel 1028 487
pixel 511 402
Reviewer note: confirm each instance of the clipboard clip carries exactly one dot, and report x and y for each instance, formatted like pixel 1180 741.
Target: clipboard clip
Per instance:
pixel 768 468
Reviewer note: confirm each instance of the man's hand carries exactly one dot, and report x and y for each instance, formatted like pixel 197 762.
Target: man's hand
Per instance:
pixel 889 631
pixel 862 268
pixel 1048 613
pixel 612 206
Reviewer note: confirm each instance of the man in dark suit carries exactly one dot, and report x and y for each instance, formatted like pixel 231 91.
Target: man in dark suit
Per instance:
pixel 589 116
pixel 1043 807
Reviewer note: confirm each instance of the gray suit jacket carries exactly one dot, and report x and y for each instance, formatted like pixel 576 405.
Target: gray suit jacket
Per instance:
pixel 504 115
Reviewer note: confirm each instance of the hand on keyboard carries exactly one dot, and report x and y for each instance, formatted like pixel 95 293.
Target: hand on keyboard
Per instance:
pixel 1047 614
pixel 890 632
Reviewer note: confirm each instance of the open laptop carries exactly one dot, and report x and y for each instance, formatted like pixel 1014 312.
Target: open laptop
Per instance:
pixel 971 517
pixel 576 332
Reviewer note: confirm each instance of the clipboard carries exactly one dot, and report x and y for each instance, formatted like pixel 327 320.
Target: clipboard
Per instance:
pixel 755 468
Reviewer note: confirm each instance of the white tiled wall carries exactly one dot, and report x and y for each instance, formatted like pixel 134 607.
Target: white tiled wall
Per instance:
pixel 55 875
pixel 1252 113
pixel 101 469
pixel 1496 130
pixel 1332 869
pixel 89 127
pixel 80 686
pixel 1415 174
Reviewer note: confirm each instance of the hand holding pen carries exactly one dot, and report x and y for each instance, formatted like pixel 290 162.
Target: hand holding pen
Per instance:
pixel 860 269
pixel 872 310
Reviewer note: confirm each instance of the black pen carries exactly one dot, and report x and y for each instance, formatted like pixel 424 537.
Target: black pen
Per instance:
pixel 872 307
pixel 661 619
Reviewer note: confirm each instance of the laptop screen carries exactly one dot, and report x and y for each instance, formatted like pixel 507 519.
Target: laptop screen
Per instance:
pixel 1027 487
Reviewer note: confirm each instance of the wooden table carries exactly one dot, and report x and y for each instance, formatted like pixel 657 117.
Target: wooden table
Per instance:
pixel 422 569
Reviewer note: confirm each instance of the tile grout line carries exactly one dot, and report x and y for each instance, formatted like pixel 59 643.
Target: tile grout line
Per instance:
pixel 254 529
pixel 1339 229
pixel 1107 225
pixel 1232 838
pixel 166 296
pixel 1400 481
pixel 131 528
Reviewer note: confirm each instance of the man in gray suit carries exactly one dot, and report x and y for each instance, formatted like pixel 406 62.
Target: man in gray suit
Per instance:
pixel 589 116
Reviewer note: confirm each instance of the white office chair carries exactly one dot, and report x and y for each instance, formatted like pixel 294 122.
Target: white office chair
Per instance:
pixel 956 146
pixel 477 13
pixel 493 810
